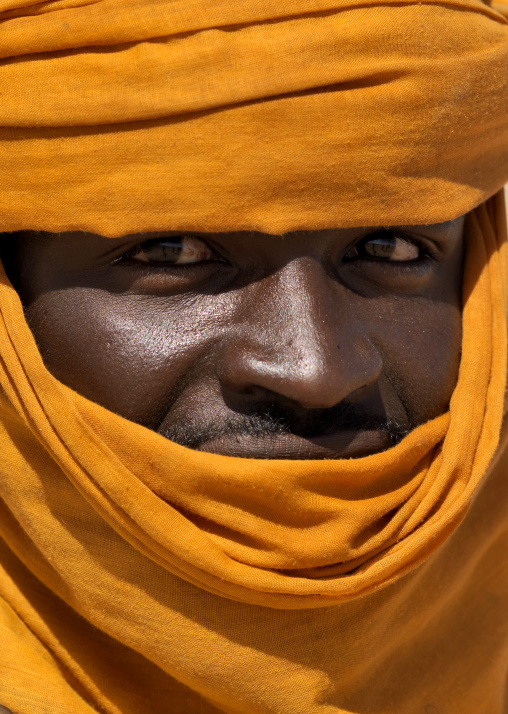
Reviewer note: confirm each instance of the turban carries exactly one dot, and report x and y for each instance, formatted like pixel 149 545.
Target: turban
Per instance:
pixel 123 116
pixel 140 576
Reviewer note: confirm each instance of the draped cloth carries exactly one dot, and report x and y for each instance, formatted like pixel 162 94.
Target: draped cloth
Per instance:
pixel 140 576
pixel 119 116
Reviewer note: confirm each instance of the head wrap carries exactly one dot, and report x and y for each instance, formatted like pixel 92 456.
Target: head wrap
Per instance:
pixel 140 576
pixel 121 116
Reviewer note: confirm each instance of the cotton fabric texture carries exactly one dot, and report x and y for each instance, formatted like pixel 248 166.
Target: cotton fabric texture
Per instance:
pixel 121 116
pixel 137 576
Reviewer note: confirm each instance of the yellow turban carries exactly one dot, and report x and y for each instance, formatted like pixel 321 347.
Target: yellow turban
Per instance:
pixel 139 577
pixel 120 116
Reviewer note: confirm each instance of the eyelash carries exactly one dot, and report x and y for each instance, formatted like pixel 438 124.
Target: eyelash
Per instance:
pixel 126 258
pixel 426 254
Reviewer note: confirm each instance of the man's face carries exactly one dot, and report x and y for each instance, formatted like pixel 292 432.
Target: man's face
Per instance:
pixel 316 344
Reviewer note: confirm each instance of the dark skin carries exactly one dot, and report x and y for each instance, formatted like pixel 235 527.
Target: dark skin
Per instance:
pixel 316 344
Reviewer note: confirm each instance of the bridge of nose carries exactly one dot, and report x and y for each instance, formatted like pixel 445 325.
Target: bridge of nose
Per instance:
pixel 297 336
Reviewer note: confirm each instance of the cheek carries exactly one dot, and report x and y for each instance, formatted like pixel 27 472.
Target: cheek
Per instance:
pixel 127 353
pixel 420 347
pixel 136 354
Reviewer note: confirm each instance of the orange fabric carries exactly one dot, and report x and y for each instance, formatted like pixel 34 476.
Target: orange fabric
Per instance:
pixel 139 576
pixel 270 115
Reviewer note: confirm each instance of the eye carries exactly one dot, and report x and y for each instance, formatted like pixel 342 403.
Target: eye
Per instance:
pixel 175 250
pixel 386 246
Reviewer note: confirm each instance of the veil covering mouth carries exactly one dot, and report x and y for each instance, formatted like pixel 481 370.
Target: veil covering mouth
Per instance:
pixel 135 572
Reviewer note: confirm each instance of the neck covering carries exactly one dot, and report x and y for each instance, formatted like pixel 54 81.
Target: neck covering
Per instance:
pixel 139 576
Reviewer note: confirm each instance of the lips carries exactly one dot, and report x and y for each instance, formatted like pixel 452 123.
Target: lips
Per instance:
pixel 339 445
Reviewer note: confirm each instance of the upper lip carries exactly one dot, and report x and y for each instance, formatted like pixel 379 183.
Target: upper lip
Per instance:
pixel 338 445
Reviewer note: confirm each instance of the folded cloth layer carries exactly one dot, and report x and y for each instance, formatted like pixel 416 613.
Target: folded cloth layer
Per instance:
pixel 140 576
pixel 138 115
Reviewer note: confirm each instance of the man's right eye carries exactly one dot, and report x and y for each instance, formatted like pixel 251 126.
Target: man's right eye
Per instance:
pixel 184 250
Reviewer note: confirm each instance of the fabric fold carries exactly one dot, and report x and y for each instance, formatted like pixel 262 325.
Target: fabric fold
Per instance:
pixel 143 94
pixel 135 572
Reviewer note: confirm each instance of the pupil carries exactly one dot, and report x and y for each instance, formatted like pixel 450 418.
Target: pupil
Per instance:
pixel 381 247
pixel 167 251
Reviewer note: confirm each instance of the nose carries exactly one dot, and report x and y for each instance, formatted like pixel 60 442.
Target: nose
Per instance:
pixel 297 336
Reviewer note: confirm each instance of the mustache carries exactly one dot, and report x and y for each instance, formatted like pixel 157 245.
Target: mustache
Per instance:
pixel 271 420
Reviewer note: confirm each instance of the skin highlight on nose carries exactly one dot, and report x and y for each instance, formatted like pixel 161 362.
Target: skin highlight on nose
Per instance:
pixel 290 346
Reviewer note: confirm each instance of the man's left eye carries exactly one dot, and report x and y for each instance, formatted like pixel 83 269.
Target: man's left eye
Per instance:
pixel 177 250
pixel 386 246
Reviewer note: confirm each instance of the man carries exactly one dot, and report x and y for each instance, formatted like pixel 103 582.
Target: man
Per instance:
pixel 253 358
pixel 249 344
